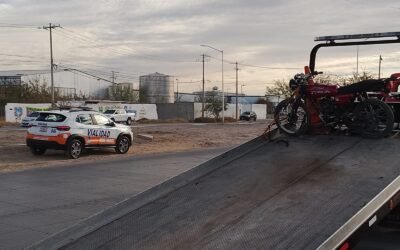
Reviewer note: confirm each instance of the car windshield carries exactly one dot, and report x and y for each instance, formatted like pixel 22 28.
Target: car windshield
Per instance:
pixel 246 113
pixel 110 111
pixel 34 114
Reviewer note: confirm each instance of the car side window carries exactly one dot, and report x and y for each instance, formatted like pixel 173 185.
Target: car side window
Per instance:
pixel 101 120
pixel 84 119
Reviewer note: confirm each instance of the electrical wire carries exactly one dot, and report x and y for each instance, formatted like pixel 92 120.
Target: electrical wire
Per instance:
pixel 122 51
pixel 18 26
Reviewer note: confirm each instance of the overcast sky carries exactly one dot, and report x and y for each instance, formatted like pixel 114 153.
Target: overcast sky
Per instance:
pixel 141 37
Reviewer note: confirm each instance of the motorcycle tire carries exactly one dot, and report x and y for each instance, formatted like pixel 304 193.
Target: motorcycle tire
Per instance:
pixel 374 119
pixel 287 115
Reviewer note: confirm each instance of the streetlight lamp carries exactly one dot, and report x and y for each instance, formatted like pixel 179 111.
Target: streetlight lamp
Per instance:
pixel 222 79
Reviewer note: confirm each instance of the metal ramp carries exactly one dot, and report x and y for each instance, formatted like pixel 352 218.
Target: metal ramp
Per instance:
pixel 289 193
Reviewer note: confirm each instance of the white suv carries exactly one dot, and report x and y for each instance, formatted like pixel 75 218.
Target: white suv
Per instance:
pixel 75 130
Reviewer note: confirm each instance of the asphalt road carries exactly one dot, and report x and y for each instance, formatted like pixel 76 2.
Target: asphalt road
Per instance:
pixel 39 202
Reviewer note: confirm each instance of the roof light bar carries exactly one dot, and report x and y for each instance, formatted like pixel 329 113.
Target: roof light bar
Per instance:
pixel 357 36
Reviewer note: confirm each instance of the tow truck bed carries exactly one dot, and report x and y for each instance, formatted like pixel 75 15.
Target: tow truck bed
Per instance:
pixel 290 193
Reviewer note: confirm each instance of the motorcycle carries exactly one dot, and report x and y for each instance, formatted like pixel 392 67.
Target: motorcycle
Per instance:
pixel 330 106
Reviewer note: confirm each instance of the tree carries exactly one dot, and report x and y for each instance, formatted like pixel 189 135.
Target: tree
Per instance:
pixel 213 104
pixel 360 77
pixel 123 93
pixel 279 88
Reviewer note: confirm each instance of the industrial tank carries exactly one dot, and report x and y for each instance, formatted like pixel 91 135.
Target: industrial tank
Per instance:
pixel 156 88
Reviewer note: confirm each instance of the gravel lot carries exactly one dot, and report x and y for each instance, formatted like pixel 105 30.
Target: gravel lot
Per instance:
pixel 15 156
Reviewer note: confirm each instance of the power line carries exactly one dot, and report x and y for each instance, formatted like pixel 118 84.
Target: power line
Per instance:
pixel 258 66
pixel 21 56
pixel 83 72
pixel 123 51
pixel 20 26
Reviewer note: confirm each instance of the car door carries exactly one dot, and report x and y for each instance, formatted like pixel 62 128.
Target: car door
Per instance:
pixel 107 132
pixel 86 128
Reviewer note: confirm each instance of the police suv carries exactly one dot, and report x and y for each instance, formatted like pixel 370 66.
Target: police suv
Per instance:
pixel 76 130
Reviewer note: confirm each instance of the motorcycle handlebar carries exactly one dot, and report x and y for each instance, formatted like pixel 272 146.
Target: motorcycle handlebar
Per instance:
pixel 317 73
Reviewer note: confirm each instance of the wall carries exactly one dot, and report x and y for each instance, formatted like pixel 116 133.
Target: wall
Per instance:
pixel 16 111
pixel 147 111
pixel 260 110
pixel 183 110
pixel 188 111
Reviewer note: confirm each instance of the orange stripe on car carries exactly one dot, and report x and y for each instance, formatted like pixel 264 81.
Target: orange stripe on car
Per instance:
pixel 60 139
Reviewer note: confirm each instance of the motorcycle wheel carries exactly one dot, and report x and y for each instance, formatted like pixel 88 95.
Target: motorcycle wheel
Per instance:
pixel 291 117
pixel 374 118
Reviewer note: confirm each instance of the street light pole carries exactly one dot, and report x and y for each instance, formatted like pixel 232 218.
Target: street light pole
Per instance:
pixel 223 91
pixel 177 90
pixel 236 90
pixel 203 96
pixel 222 78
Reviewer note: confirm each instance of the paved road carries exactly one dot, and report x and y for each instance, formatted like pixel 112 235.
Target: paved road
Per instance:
pixel 40 202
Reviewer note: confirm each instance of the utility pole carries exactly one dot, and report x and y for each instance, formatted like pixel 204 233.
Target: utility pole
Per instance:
pixel 50 28
pixel 237 69
pixel 379 71
pixel 114 76
pixel 357 62
pixel 203 96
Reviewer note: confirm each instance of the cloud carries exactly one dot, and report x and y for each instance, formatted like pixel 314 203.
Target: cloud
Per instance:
pixel 154 35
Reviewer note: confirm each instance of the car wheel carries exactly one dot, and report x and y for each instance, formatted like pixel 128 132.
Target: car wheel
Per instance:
pixel 129 121
pixel 38 151
pixel 74 148
pixel 123 144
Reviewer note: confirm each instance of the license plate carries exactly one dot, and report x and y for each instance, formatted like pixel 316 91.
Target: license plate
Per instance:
pixel 43 129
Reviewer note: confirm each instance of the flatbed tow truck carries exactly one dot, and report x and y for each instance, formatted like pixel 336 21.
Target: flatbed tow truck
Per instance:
pixel 303 192
pixel 273 192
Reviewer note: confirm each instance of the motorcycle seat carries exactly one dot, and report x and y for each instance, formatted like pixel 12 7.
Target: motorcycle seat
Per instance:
pixel 363 86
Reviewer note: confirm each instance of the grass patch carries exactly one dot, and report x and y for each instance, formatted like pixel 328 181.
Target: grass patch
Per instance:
pixel 212 120
pixel 4 123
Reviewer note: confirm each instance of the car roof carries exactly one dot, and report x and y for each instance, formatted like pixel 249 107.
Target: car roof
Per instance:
pixel 70 112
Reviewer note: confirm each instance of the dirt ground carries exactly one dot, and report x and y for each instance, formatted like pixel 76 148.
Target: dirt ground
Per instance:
pixel 15 156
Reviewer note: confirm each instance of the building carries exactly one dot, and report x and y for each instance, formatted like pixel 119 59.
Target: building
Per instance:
pixel 10 80
pixel 156 88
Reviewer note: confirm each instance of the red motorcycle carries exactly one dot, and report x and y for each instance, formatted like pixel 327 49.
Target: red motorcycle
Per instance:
pixel 330 106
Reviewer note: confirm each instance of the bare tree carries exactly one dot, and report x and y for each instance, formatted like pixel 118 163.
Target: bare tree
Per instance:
pixel 213 104
pixel 279 88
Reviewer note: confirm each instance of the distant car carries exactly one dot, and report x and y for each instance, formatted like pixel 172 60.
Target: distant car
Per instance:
pixel 73 131
pixel 29 118
pixel 120 115
pixel 248 115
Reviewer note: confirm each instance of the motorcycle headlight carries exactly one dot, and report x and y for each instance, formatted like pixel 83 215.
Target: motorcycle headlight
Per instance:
pixel 293 84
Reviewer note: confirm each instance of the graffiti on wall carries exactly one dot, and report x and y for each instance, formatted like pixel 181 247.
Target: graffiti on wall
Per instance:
pixel 18 111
